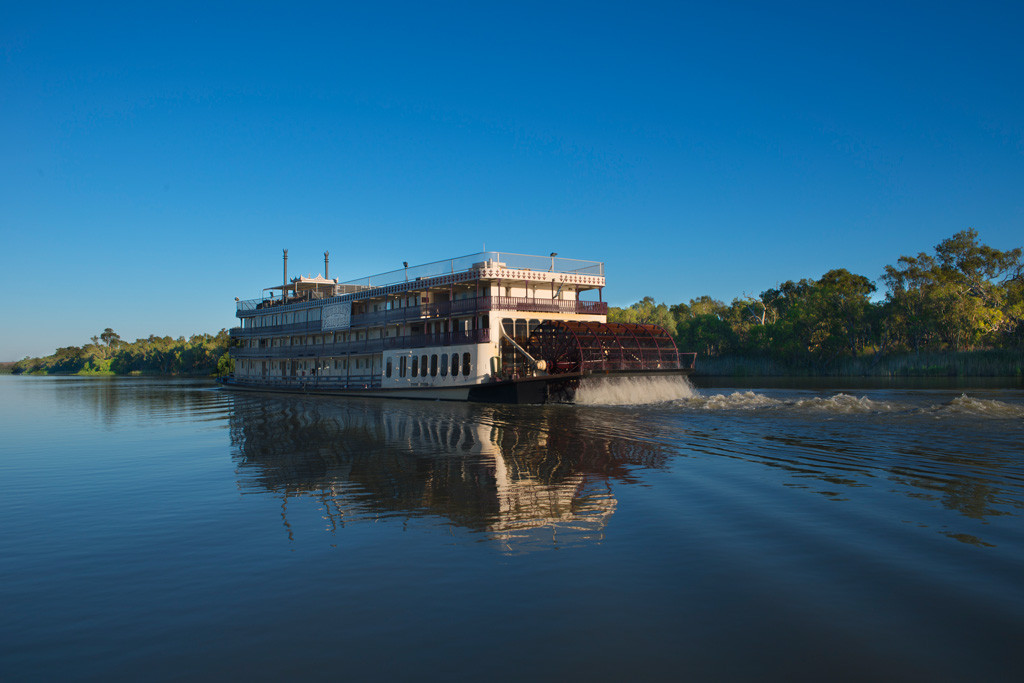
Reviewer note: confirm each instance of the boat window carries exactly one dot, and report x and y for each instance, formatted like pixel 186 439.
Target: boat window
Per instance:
pixel 415 365
pixel 465 364
pixel 423 365
pixel 387 369
pixel 433 365
pixel 444 364
pixel 455 364
pixel 521 327
pixel 401 366
pixel 508 326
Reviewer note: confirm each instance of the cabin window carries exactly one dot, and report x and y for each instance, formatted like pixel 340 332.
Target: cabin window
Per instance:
pixel 455 365
pixel 433 365
pixel 402 363
pixel 508 326
pixel 521 328
pixel 387 369
pixel 423 365
pixel 444 364
pixel 465 364
pixel 415 365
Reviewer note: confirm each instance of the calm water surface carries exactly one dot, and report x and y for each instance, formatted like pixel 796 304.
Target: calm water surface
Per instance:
pixel 160 529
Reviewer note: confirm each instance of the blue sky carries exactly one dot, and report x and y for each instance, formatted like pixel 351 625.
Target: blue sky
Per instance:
pixel 155 159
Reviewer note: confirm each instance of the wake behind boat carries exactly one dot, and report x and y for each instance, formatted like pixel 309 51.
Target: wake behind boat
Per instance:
pixel 491 326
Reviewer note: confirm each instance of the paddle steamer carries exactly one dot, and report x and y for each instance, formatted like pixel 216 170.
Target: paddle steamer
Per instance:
pixel 490 326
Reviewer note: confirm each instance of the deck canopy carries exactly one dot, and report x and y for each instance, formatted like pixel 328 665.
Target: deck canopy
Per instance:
pixel 301 285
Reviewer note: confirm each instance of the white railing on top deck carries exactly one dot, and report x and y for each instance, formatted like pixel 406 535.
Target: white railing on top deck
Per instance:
pixel 555 264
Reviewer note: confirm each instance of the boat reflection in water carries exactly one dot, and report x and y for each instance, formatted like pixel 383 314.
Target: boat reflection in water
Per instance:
pixel 520 475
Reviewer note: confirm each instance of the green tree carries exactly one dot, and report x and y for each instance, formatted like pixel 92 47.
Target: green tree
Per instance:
pixel 645 312
pixel 965 295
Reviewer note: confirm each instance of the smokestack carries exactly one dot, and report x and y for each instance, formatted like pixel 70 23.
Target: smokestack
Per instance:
pixel 285 267
pixel 327 258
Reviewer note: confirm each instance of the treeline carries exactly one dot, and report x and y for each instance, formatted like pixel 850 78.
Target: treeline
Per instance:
pixel 964 297
pixel 108 354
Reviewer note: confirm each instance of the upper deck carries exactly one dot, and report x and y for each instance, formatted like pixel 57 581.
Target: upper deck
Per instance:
pixel 488 265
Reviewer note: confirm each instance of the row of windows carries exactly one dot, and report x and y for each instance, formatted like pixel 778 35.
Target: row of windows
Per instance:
pixel 325 364
pixel 432 327
pixel 309 315
pixel 419 367
pixel 336 338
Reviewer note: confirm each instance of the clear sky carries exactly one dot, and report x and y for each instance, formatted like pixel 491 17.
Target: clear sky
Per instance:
pixel 156 157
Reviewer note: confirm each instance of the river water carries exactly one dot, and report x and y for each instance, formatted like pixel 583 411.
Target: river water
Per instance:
pixel 167 529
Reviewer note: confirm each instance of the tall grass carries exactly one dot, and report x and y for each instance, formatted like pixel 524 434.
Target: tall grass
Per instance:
pixel 990 363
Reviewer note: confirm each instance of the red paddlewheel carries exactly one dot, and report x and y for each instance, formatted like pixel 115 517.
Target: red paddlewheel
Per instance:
pixel 581 346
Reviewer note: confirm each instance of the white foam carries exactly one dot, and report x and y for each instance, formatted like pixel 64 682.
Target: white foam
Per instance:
pixel 623 391
pixel 844 403
pixel 966 405
pixel 738 400
pixel 750 400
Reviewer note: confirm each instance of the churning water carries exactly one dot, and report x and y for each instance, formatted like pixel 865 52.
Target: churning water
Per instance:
pixel 633 390
pixel 165 529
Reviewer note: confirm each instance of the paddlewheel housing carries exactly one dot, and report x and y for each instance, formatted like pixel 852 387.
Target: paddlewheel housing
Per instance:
pixel 574 346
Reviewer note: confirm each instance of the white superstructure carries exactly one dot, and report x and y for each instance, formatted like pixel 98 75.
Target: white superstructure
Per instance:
pixel 437 330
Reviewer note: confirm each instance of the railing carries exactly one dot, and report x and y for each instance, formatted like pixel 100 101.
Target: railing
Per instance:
pixel 443 309
pixel 309 326
pixel 412 341
pixel 509 303
pixel 481 304
pixel 361 381
pixel 554 264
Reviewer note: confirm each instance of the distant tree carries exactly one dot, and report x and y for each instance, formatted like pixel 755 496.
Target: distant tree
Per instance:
pixel 109 337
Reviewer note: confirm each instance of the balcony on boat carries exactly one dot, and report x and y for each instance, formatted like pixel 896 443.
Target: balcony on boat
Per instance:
pixel 444 309
pixel 409 341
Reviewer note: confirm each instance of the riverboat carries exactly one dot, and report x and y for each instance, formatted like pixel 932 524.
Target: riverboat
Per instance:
pixel 491 326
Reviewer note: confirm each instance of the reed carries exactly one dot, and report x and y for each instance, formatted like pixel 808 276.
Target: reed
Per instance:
pixel 987 363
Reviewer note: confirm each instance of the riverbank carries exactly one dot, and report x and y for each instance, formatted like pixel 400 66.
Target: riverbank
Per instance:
pixel 996 363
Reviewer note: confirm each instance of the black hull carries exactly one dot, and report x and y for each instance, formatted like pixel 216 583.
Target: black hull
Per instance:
pixel 526 390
